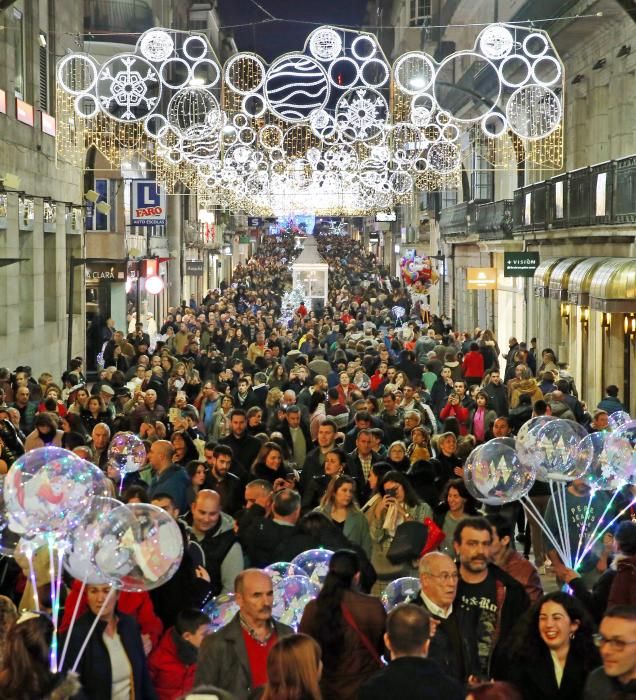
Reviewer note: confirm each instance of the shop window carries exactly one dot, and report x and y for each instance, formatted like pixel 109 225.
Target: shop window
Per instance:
pixel 100 221
pixel 483 178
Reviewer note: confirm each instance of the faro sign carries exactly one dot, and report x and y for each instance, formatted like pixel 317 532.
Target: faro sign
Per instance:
pixel 147 204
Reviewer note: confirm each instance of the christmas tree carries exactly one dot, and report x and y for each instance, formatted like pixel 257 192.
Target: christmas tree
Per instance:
pixel 291 301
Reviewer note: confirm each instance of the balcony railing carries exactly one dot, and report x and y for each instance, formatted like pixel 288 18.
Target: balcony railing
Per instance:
pixel 599 195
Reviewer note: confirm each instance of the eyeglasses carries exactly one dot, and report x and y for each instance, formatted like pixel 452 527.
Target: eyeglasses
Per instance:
pixel 445 577
pixel 614 644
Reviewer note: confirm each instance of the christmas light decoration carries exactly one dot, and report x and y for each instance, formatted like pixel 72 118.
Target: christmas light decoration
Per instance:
pixel 332 129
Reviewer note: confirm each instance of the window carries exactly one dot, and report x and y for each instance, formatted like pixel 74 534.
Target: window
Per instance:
pixel 44 74
pixel 96 220
pixel 18 53
pixel 483 178
pixel 448 198
pixel 420 13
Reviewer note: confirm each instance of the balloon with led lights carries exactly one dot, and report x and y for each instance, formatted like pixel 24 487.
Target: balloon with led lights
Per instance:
pixel 139 547
pixel 526 439
pixel 9 536
pixel 78 557
pixel 315 564
pixel 591 457
pixel 282 569
pixel 618 419
pixel 555 450
pixel 494 475
pixel 291 595
pixel 402 590
pixel 620 447
pixel 48 490
pixel 127 452
pixel 221 610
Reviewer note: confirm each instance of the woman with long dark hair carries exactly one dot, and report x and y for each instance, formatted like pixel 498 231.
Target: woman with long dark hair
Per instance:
pixel 294 668
pixel 185 451
pixel 348 626
pixel 456 504
pixel 554 652
pixel 25 672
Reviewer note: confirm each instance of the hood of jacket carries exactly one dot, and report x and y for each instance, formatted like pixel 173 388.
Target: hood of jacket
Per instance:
pixel 526 386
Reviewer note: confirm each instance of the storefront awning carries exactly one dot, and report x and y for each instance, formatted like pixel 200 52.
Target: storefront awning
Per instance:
pixel 542 276
pixel 613 287
pixel 560 277
pixel 581 280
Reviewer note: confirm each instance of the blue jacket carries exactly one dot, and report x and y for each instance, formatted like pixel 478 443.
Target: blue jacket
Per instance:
pixel 175 482
pixel 610 404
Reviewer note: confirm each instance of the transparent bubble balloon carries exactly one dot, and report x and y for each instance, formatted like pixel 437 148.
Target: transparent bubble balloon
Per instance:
pixel 139 547
pixel 282 569
pixel 555 450
pixel 221 610
pixel 291 595
pixel 78 559
pixel 127 452
pixel 9 533
pixel 526 439
pixel 591 458
pixel 315 564
pixel 48 490
pixel 620 447
pixel 402 590
pixel 618 419
pixel 494 475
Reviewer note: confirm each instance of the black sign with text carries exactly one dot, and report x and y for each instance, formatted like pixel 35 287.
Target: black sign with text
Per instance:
pixel 519 264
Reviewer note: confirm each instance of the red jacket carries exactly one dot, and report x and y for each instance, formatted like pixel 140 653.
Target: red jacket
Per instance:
pixel 137 605
pixel 171 677
pixel 473 364
pixel 460 412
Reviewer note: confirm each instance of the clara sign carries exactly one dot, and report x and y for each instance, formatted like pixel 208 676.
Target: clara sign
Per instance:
pixel 106 271
pixel 147 204
pixel 383 217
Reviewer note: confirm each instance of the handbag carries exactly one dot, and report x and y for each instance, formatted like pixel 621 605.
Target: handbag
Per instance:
pixel 410 539
pixel 435 536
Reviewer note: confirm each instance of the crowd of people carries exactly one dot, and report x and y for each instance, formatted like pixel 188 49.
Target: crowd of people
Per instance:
pixel 267 436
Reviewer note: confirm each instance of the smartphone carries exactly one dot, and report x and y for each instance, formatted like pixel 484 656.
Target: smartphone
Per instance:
pixel 174 414
pixel 392 493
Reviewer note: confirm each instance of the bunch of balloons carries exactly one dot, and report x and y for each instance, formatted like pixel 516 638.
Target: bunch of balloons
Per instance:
pixel 53 499
pixel 295 584
pixel 417 269
pixel 557 451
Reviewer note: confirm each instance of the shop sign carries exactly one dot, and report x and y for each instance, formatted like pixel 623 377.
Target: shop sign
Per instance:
pixel 23 112
pixel 106 270
pixel 194 268
pixel 254 221
pixel 148 204
pixel 385 217
pixel 519 264
pixel 481 278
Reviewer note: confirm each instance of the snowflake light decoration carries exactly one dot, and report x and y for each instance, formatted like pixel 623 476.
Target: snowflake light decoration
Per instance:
pixel 129 79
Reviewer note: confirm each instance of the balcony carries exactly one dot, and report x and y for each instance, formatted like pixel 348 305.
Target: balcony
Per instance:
pixel 599 195
pixel 118 21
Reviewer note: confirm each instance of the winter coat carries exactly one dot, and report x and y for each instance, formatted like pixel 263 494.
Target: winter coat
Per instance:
pixel 525 386
pixel 623 590
pixel 172 666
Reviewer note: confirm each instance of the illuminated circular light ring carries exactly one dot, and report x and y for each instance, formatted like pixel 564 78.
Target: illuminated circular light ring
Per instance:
pixel 359 41
pixel 168 137
pixel 333 65
pixel 156 45
pixel 483 59
pixel 443 118
pixel 444 158
pixel 549 59
pixel 79 58
pixel 496 41
pixel 382 81
pixel 244 57
pixel 296 75
pixel 247 136
pixel 534 112
pixel 83 98
pixel 207 62
pixel 257 98
pixel 325 44
pixel 433 133
pixel 533 37
pixel 129 78
pixel 240 121
pixel 362 111
pixel 266 140
pixel 450 133
pixel 174 156
pixel 163 122
pixel 422 108
pixel 193 41
pixel 189 109
pixel 401 183
pixel 493 117
pixel 421 83
pixel 512 59
pixel 276 154
pixel 169 63
pixel 420 165
pixel 229 135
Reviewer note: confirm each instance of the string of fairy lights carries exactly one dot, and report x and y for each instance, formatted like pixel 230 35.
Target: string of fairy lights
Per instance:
pixel 332 129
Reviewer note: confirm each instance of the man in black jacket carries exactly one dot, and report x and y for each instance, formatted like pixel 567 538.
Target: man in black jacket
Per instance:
pixel 410 674
pixel 220 479
pixel 245 448
pixel 449 647
pixel 490 601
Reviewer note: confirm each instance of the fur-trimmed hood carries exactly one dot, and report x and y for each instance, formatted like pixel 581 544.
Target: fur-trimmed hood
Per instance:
pixel 69 687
